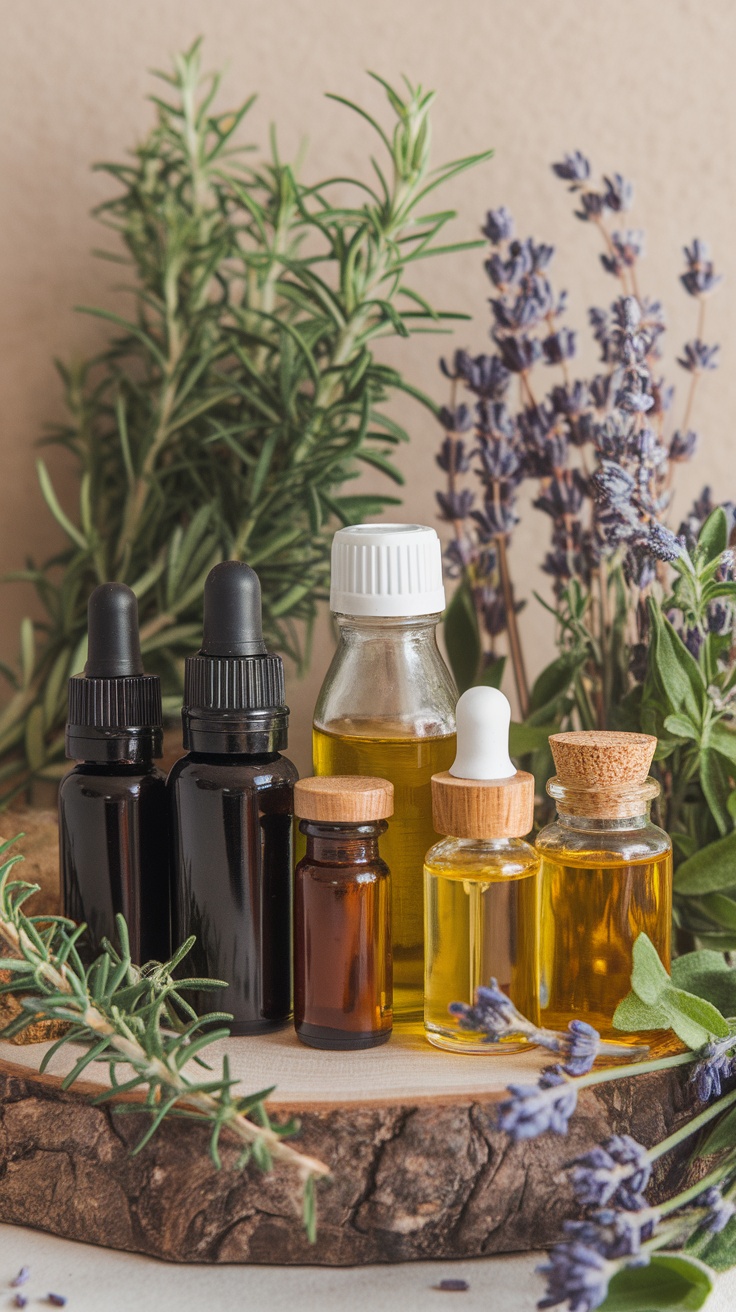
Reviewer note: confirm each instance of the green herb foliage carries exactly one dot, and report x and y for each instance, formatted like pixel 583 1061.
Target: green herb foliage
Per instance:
pixel 656 1003
pixel 136 1019
pixel 231 407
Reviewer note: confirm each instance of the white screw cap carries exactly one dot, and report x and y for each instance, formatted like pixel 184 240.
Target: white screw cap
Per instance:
pixel 483 717
pixel 386 569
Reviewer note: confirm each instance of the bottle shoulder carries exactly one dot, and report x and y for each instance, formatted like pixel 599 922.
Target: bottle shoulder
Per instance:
pixel 233 772
pixel 88 779
pixel 394 676
pixel 642 842
pixel 471 858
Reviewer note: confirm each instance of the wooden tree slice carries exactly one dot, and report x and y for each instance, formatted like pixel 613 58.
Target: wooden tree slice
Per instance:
pixel 418 1170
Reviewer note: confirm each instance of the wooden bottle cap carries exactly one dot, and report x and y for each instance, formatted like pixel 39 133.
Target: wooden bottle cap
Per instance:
pixel 344 798
pixel 602 774
pixel 483 808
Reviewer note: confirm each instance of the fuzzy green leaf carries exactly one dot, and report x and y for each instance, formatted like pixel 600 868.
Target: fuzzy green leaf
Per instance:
pixel 669 1283
pixel 710 870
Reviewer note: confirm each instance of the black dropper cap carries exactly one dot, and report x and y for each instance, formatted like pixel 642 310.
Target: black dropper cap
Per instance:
pixel 114 707
pixel 234 687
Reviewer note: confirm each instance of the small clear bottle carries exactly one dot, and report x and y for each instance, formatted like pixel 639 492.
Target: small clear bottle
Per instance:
pixel 481 884
pixel 606 877
pixel 342 914
pixel 387 708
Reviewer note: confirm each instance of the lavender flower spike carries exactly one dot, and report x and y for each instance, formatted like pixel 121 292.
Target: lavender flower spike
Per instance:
pixel 494 1013
pixel 718 1063
pixel 535 1108
pixel 720 1209
pixel 577 1275
pixel 616 1172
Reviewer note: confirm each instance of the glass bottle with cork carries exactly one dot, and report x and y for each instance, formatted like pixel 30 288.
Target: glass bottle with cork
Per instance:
pixel 481 884
pixel 342 914
pixel 606 876
pixel 387 708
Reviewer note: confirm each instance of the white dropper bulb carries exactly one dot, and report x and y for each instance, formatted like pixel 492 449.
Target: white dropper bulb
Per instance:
pixel 483 717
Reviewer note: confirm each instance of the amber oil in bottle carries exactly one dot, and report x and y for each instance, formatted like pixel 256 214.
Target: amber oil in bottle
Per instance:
pixel 481 884
pixel 387 709
pixel 606 878
pixel 342 914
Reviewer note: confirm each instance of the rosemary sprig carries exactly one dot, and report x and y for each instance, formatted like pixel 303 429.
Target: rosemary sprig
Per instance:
pixel 136 1018
pixel 238 397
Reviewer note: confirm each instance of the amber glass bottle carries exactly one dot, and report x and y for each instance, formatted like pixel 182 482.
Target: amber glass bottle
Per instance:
pixel 231 812
pixel 606 877
pixel 342 914
pixel 112 805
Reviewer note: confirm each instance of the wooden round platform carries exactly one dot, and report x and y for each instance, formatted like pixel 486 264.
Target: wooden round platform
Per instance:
pixel 418 1170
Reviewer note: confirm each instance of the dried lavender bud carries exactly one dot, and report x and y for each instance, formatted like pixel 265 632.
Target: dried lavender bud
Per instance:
pixel 21 1278
pixel 697 356
pixel 616 1171
pixel 452 1286
pixel 20 1300
pixel 683 445
pixel 499 225
pixel 618 194
pixel 573 168
pixel 56 1300
pixel 699 277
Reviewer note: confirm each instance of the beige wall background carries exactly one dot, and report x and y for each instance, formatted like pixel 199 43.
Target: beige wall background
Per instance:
pixel 645 87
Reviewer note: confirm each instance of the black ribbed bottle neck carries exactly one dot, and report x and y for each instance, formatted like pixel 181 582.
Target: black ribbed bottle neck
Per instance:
pixel 114 719
pixel 234 705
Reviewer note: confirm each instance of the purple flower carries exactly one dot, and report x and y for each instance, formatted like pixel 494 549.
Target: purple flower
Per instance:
pixel 720 1210
pixel 533 1109
pixel 662 543
pixel 698 357
pixel 485 375
pixel 720 618
pixel 499 225
pixel 453 458
pixel 519 353
pixel 576 1274
pixel 573 168
pixel 458 420
pixel 683 445
pixel 618 193
pixel 559 346
pixel 581 1045
pixel 563 494
pixel 616 1171
pixel 493 1012
pixel 699 278
pixel 454 370
pixel 614 1233
pixel 455 505
pixel 592 206
pixel 717 1064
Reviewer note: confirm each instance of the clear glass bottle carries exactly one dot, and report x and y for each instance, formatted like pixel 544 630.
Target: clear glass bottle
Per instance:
pixel 481 886
pixel 342 915
pixel 387 708
pixel 606 878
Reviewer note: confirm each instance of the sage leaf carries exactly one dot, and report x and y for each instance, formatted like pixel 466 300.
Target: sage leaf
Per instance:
pixel 671 1282
pixel 719 1251
pixel 649 979
pixel 710 870
pixel 632 1014
pixel 713 536
pixel 708 974
pixel 722 1137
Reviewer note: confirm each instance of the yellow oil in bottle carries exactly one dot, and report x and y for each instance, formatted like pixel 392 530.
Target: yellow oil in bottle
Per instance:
pixel 593 908
pixel 409 764
pixel 481 920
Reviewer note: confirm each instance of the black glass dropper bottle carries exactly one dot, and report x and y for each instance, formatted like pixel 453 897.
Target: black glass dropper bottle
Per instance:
pixel 231 809
pixel 112 805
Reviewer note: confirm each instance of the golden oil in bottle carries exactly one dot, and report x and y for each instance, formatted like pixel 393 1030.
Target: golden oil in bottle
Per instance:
pixel 606 878
pixel 481 922
pixel 481 903
pixel 408 763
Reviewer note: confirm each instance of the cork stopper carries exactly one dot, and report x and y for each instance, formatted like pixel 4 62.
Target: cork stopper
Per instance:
pixel 602 775
pixel 482 795
pixel 344 799
pixel 483 808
